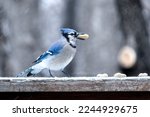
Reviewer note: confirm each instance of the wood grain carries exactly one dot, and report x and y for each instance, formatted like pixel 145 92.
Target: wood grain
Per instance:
pixel 92 84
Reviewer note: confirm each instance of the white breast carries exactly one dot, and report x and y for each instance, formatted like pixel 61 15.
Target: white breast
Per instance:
pixel 61 60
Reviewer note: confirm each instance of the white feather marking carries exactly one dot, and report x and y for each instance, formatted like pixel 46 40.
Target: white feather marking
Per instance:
pixel 49 52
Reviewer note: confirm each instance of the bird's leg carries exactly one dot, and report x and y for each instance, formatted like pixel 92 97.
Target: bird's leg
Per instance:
pixel 67 74
pixel 50 73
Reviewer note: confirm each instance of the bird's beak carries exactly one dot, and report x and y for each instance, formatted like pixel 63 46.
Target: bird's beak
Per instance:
pixel 82 36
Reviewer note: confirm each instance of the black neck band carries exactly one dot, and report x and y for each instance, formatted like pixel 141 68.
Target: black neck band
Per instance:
pixel 72 45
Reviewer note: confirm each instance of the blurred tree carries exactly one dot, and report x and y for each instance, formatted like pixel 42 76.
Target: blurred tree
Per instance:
pixel 4 49
pixel 134 28
pixel 2 52
pixel 99 18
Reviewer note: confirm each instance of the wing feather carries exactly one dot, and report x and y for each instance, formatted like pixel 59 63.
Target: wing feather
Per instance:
pixel 53 50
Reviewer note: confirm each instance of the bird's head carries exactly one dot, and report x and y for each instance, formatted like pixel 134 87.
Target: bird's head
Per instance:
pixel 72 35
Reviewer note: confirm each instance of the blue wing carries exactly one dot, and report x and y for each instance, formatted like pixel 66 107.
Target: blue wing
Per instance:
pixel 56 47
pixel 53 50
pixel 43 56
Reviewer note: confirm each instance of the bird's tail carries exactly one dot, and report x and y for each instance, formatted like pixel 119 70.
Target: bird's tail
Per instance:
pixel 26 73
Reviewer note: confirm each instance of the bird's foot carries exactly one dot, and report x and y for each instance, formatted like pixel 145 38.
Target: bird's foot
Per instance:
pixel 51 75
pixel 66 73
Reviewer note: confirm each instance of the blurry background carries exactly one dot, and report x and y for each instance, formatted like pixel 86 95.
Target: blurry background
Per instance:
pixel 119 34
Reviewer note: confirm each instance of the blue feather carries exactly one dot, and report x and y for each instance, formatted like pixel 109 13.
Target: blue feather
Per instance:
pixel 53 50
pixel 67 30
pixel 43 56
pixel 56 47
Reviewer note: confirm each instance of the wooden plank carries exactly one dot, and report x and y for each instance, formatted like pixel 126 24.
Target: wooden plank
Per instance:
pixel 33 84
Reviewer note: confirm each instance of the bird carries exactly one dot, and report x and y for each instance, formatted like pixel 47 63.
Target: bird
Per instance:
pixel 58 56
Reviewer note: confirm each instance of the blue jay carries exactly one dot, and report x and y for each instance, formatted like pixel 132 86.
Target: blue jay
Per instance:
pixel 58 56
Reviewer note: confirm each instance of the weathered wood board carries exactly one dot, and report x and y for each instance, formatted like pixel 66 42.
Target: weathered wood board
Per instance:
pixel 40 84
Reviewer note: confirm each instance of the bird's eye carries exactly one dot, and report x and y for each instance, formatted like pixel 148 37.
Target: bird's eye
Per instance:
pixel 72 34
